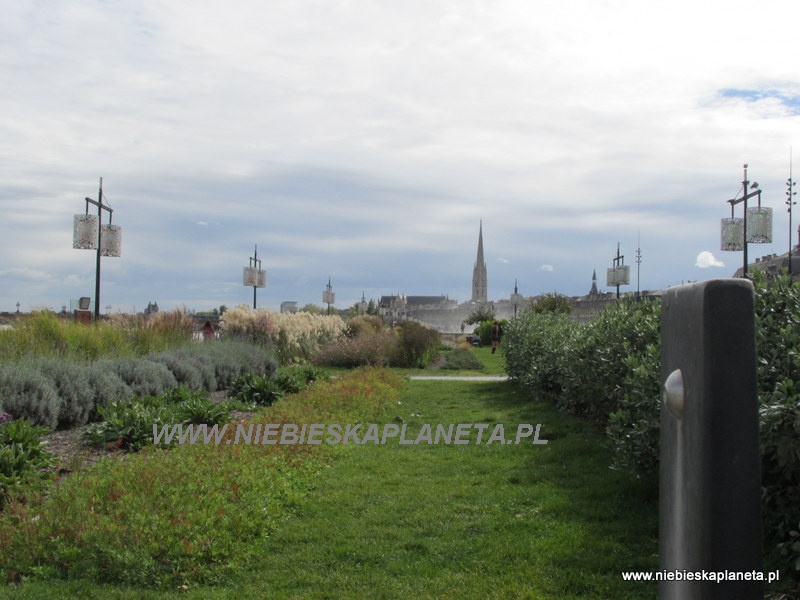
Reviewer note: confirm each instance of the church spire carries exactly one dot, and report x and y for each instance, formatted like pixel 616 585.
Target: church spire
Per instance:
pixel 479 279
pixel 593 291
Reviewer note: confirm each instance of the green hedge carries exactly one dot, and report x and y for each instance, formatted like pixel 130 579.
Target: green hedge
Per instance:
pixel 608 372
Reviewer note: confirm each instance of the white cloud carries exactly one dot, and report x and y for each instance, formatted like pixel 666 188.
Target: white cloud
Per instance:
pixel 366 140
pixel 707 259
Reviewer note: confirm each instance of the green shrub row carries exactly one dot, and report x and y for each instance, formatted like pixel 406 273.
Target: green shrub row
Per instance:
pixel 608 372
pixel 57 393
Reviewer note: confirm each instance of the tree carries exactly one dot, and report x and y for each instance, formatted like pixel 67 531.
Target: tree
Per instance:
pixel 313 309
pixel 484 313
pixel 554 303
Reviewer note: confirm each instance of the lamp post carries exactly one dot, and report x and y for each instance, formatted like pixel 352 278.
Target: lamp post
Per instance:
pixel 734 231
pixel 619 274
pixel 329 296
pixel 89 233
pixel 516 298
pixel 254 275
pixel 790 193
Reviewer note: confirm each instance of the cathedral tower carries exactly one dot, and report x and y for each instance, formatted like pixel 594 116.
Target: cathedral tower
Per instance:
pixel 480 284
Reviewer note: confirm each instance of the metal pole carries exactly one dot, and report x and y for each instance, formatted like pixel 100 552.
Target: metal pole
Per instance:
pixel 255 266
pixel 789 193
pixel 744 224
pixel 99 243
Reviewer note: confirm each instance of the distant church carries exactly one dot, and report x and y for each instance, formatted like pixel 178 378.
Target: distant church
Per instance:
pixel 444 314
pixel 480 282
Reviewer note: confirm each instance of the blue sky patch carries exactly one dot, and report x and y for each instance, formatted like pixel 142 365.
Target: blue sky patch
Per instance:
pixel 791 101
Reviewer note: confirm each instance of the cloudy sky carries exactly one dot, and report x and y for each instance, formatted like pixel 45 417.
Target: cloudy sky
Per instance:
pixel 365 140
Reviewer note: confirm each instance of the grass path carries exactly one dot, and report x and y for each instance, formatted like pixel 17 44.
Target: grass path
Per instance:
pixel 469 521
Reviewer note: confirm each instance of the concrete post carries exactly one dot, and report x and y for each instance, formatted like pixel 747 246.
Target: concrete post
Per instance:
pixel 710 473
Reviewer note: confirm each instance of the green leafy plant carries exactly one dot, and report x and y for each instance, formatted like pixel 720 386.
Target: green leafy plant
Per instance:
pixel 128 424
pixel 22 454
pixel 255 389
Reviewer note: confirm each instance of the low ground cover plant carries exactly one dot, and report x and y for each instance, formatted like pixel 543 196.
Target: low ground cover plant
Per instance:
pixel 195 514
pixel 461 359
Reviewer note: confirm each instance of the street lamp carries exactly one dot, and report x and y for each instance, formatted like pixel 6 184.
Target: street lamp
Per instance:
pixel 254 275
pixel 619 274
pixel 89 233
pixel 516 298
pixel 734 230
pixel 790 193
pixel 329 296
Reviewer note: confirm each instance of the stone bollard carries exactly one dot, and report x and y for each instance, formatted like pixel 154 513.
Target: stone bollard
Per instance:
pixel 710 473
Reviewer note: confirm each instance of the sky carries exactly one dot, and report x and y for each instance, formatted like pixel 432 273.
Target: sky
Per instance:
pixel 365 141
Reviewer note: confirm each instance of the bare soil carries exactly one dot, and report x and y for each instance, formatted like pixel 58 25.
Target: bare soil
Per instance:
pixel 74 453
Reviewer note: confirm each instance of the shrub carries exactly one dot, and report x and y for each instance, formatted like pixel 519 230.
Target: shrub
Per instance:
pixel 183 370
pixel 777 308
pixel 418 345
pixel 27 394
pixel 107 386
pixel 594 383
pixel 73 387
pixel 295 378
pixel 634 427
pixel 144 377
pixel 233 358
pixel 537 350
pixel 370 348
pixel 363 324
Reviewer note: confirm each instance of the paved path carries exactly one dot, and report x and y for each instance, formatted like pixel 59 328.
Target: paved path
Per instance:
pixel 459 377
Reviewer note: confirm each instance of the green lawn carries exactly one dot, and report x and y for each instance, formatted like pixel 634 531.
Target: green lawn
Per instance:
pixel 453 521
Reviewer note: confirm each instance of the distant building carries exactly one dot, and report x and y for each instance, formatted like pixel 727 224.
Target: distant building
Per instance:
pixel 289 306
pixel 152 307
pixel 774 264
